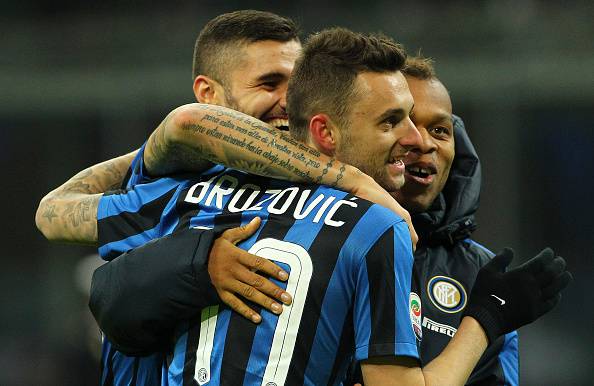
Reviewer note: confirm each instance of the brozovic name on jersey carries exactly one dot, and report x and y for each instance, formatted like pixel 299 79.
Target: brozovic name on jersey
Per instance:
pixel 276 201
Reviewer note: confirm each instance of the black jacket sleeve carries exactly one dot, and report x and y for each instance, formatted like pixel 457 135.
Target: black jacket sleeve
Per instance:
pixel 139 297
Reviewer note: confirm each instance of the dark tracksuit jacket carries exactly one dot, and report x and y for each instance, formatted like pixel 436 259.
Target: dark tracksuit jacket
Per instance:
pixel 447 261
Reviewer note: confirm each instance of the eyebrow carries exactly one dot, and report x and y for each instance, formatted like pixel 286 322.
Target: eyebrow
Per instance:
pixel 273 76
pixel 399 113
pixel 443 117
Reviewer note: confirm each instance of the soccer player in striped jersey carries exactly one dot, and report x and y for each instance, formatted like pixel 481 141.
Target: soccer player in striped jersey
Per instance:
pixel 255 54
pixel 433 118
pixel 345 302
pixel 383 108
pixel 242 59
pixel 357 251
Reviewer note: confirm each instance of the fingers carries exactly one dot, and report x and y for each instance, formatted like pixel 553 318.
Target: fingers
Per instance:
pixel 251 293
pixel 239 306
pixel 257 263
pixel 265 286
pixel 233 274
pixel 551 270
pixel 540 261
pixel 238 234
pixel 500 262
pixel 557 285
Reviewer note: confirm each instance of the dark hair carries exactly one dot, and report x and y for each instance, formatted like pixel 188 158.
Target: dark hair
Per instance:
pixel 230 30
pixel 324 75
pixel 419 67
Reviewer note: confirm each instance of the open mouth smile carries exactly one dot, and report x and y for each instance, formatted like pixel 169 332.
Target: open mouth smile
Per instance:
pixel 422 174
pixel 279 123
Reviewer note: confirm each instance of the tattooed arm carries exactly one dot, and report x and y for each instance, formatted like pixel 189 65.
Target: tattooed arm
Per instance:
pixel 69 212
pixel 194 134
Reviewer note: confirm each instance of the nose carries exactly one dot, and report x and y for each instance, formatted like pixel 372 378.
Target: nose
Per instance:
pixel 283 102
pixel 412 139
pixel 283 97
pixel 427 143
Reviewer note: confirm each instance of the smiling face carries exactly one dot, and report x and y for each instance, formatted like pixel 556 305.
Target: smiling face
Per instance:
pixel 428 165
pixel 380 131
pixel 257 86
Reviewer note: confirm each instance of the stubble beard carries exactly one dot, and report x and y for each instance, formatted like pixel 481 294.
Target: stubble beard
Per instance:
pixel 376 170
pixel 230 101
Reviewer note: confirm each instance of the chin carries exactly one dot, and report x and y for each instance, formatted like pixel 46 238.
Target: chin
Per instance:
pixel 389 183
pixel 416 207
pixel 397 183
pixel 412 204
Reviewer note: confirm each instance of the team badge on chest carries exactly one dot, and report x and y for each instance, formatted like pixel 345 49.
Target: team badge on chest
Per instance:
pixel 447 294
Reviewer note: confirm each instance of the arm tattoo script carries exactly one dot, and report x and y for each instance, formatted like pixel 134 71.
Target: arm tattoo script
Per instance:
pixel 236 140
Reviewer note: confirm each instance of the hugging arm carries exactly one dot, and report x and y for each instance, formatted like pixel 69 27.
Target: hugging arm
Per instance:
pixel 218 134
pixel 69 212
pixel 192 138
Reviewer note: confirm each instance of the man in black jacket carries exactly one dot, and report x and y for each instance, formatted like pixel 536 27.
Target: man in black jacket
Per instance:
pixel 441 192
pixel 443 179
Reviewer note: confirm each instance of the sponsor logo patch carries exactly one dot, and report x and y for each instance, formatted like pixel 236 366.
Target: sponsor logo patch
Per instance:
pixel 446 294
pixel 415 314
pixel 432 325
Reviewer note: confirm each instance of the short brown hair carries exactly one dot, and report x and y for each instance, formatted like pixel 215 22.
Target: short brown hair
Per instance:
pixel 324 75
pixel 419 67
pixel 230 30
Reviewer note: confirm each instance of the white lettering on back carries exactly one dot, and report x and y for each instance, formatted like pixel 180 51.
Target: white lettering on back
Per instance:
pixel 219 191
pixel 204 185
pixel 273 193
pixel 325 206
pixel 292 193
pixel 277 201
pixel 329 221
pixel 299 212
pixel 250 200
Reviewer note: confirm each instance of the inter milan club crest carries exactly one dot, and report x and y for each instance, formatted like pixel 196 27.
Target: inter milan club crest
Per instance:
pixel 446 294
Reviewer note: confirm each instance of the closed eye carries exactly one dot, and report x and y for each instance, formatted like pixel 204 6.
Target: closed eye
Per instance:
pixel 272 80
pixel 269 85
pixel 391 121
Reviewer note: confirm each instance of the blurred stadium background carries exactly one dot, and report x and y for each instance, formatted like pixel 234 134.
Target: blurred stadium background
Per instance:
pixel 85 81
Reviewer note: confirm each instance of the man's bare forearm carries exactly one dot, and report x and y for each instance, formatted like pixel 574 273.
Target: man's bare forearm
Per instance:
pixel 465 350
pixel 194 134
pixel 69 212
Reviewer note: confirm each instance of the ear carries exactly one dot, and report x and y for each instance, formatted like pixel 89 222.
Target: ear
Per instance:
pixel 323 133
pixel 206 90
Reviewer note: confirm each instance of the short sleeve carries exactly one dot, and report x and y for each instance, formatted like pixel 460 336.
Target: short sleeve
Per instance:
pixel 382 319
pixel 130 218
pixel 137 173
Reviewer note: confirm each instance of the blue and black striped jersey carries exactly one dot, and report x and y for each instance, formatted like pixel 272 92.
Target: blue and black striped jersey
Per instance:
pixel 116 367
pixel 349 260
